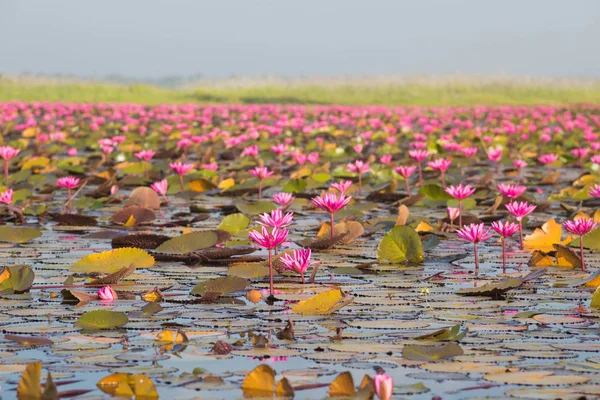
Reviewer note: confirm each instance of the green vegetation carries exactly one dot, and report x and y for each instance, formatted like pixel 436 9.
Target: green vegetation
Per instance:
pixel 456 92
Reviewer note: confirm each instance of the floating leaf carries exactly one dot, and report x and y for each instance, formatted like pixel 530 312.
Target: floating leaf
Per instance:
pixel 545 237
pixel 590 241
pixel 260 207
pixel 102 319
pixel 12 234
pixel 29 386
pixel 113 261
pixel 33 341
pixel 127 385
pixel 596 299
pixel 115 277
pixel 342 386
pixel 172 336
pixel 419 352
pixel 143 197
pixel 445 335
pixel 539 378
pixel 220 286
pixel 434 192
pixel 400 244
pixel 141 215
pixel 403 215
pixel 234 223
pixel 248 270
pixel 259 382
pixel 323 303
pixel 189 242
pixel 16 279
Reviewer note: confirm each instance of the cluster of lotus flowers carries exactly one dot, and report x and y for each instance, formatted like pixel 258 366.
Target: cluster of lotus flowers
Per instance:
pixel 403 141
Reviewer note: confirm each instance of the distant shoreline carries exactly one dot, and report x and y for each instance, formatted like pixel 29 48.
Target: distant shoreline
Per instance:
pixel 420 90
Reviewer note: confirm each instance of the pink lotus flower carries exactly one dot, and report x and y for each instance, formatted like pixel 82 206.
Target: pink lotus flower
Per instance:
pixel 406 172
pixel 299 261
pixel 251 151
pixel 419 155
pixel 107 293
pixel 511 191
pixel 475 233
pixel 213 166
pixel 469 151
pixel 442 165
pixel 7 197
pixel 181 169
pixel 161 188
pixel 279 149
pixel 519 164
pixel 69 183
pixel 581 154
pixel 283 199
pixel 384 386
pixel 453 213
pixel 495 155
pixel 261 173
pixel 594 191
pixel 505 230
pixel 520 210
pixel 580 227
pixel 342 186
pixel 145 155
pixel 359 167
pixel 595 159
pixel 269 240
pixel 7 153
pixel 313 158
pixel 460 193
pixel 276 219
pixel 386 159
pixel 548 159
pixel 331 203
pixel 358 148
pixel 72 152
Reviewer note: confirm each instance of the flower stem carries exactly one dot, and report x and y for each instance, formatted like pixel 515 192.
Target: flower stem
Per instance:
pixel 420 173
pixel 6 173
pixel 331 219
pixel 521 234
pixel 476 259
pixel 581 252
pixel 69 201
pixel 303 280
pixel 181 183
pixel 407 187
pixel 443 179
pixel 360 184
pixel 259 190
pixel 460 214
pixel 503 255
pixel 270 273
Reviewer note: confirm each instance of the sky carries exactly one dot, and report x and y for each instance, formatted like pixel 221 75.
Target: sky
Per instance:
pixel 149 39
